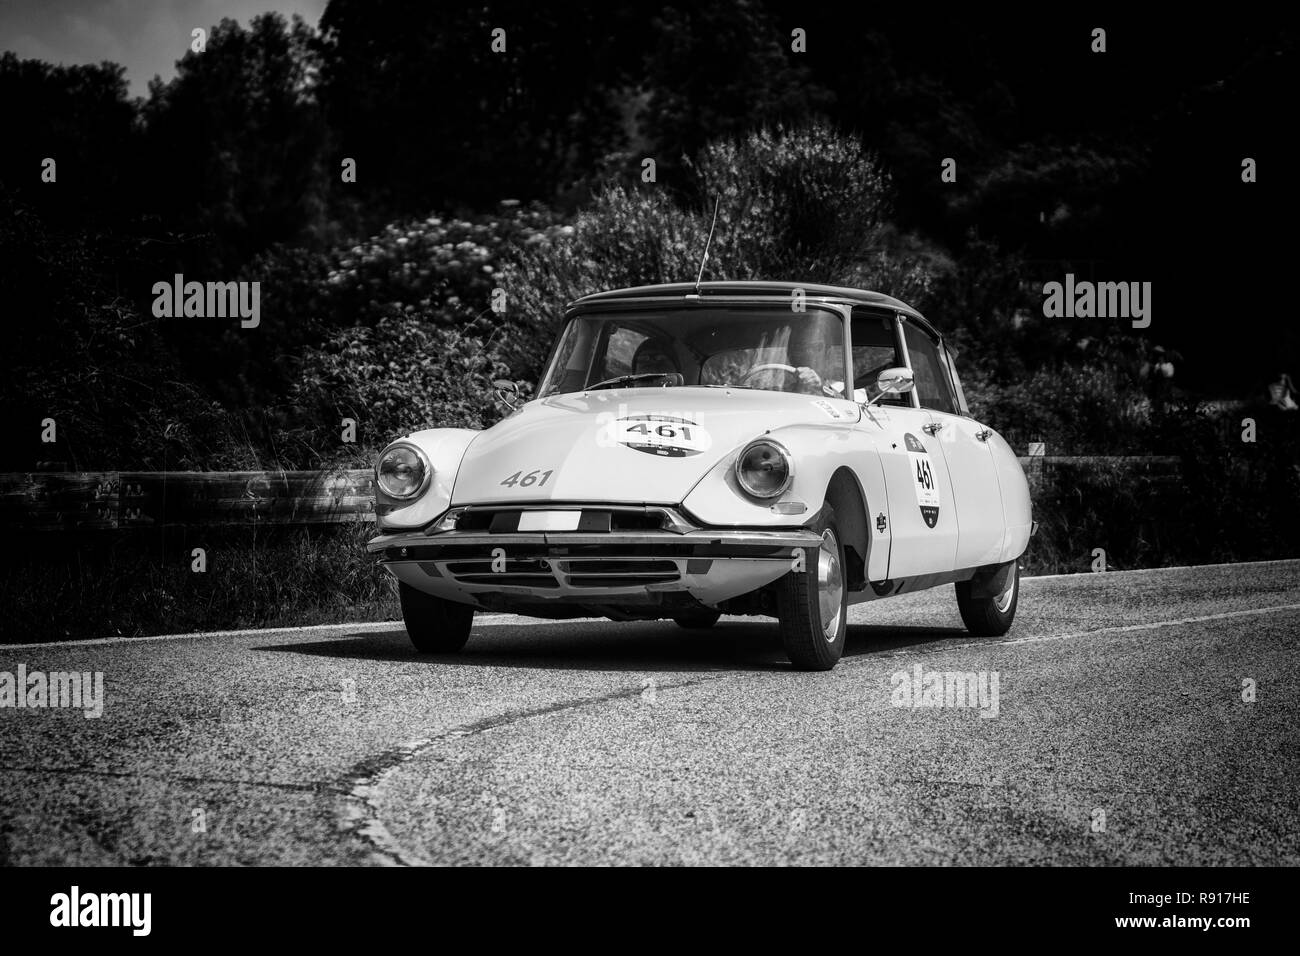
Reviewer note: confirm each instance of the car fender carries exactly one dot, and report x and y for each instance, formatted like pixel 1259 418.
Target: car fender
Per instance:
pixel 819 453
pixel 1017 507
pixel 444 448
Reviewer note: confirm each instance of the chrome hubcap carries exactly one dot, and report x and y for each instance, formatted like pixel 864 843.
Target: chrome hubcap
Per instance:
pixel 1003 600
pixel 830 585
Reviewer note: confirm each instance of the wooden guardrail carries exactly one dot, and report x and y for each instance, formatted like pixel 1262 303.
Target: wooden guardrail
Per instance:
pixel 67 501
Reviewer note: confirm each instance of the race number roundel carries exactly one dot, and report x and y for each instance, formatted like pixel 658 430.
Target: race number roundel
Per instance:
pixel 662 435
pixel 927 489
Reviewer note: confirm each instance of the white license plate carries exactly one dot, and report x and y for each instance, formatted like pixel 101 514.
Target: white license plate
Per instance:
pixel 549 520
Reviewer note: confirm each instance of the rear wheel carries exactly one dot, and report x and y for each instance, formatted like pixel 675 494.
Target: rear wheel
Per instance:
pixel 435 626
pixel 700 620
pixel 812 604
pixel 989 616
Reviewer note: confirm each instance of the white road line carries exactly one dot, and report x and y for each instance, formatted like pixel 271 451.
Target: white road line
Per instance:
pixel 1180 567
pixel 364 626
pixel 197 635
pixel 928 650
pixel 499 619
pixel 1152 625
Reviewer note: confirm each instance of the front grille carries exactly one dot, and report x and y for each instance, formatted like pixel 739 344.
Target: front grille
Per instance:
pixel 475 521
pixel 484 566
pixel 533 574
pixel 617 566
pixel 593 520
pixel 620 581
pixel 614 572
pixel 636 520
pixel 506 580
pixel 619 572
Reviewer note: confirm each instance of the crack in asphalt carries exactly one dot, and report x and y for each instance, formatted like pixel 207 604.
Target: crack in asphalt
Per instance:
pixel 355 795
pixel 363 783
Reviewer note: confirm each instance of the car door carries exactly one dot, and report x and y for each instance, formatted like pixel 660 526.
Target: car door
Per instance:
pixel 962 444
pixel 922 530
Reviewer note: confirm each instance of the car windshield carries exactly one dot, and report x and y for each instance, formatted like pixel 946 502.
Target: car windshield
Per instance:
pixel 759 348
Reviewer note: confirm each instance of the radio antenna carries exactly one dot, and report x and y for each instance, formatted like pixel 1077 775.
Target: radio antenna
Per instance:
pixel 707 242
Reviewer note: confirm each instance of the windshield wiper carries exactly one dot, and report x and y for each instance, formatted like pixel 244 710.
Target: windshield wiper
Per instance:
pixel 627 379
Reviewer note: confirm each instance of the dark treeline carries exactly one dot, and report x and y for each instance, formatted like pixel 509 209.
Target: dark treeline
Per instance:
pixel 1123 165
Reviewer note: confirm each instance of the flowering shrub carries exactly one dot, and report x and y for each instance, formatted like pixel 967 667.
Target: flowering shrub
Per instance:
pixel 396 332
pixel 443 268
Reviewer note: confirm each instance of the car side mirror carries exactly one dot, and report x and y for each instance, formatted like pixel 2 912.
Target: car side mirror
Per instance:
pixel 893 381
pixel 507 392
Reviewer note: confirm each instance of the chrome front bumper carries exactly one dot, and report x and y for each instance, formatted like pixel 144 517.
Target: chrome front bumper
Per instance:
pixel 617 568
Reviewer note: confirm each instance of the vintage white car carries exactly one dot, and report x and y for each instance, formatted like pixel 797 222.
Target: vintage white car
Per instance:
pixel 695 450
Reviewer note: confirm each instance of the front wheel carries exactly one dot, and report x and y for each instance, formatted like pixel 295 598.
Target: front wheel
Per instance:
pixel 812 604
pixel 989 616
pixel 435 626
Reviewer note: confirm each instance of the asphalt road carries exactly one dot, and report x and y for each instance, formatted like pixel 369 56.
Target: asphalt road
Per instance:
pixel 1120 736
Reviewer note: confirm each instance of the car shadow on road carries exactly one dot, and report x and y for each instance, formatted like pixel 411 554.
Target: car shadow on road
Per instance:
pixel 659 646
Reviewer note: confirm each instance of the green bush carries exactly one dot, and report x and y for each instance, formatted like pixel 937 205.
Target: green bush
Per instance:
pixel 402 375
pixel 804 205
pixel 1225 501
pixel 97 584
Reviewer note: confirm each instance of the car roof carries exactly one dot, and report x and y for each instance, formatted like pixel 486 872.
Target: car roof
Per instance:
pixel 750 289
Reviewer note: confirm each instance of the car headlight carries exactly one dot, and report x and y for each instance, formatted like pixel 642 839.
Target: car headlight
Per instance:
pixel 403 471
pixel 764 469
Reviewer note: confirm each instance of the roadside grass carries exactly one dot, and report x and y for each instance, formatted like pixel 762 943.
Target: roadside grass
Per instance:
pixel 73 586
pixel 1215 509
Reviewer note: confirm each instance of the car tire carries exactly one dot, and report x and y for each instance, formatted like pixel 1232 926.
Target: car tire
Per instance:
pixel 812 605
pixel 698 620
pixel 989 616
pixel 435 626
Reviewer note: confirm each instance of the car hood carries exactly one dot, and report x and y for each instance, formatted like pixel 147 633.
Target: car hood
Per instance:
pixel 626 445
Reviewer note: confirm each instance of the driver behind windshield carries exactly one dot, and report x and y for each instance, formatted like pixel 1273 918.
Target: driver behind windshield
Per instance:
pixel 803 379
pixel 805 351
pixel 653 356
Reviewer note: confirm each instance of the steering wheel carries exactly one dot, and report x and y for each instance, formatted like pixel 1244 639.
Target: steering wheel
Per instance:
pixel 763 368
